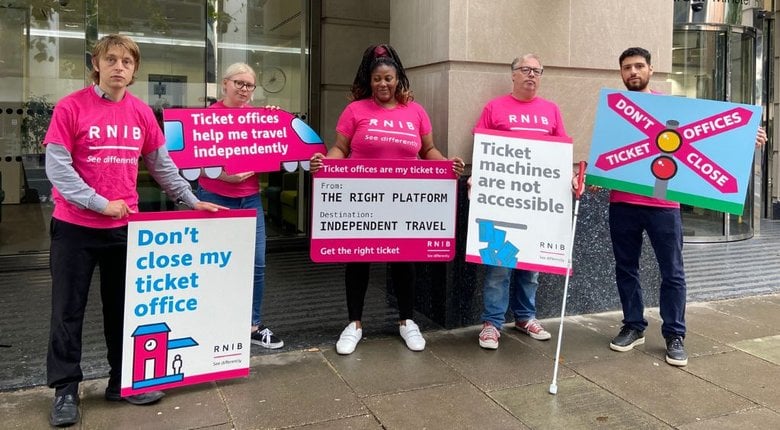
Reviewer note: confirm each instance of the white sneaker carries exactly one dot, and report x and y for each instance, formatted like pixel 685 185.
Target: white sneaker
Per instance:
pixel 349 339
pixel 411 334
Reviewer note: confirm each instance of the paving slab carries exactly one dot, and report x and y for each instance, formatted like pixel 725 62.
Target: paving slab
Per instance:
pixel 759 418
pixel 580 343
pixel 696 344
pixel 732 381
pixel 767 348
pixel 655 345
pixel 579 404
pixel 762 311
pixel 513 364
pixel 743 374
pixel 380 366
pixel 717 325
pixel 182 408
pixel 26 409
pixel 671 394
pixel 289 389
pixel 773 298
pixel 606 323
pixel 362 422
pixel 455 406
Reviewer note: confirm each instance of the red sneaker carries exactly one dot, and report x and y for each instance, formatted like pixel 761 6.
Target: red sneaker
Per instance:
pixel 488 337
pixel 533 328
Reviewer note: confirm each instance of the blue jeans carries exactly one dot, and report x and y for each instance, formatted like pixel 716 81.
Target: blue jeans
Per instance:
pixel 496 294
pixel 664 228
pixel 249 202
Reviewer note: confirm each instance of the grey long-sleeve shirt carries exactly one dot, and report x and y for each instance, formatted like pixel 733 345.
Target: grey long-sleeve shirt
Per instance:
pixel 59 168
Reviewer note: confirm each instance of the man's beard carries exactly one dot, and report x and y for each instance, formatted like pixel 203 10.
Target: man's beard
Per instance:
pixel 636 86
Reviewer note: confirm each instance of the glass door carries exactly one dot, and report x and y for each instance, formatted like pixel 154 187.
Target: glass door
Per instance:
pixel 270 38
pixel 716 63
pixel 742 79
pixel 185 45
pixel 42 46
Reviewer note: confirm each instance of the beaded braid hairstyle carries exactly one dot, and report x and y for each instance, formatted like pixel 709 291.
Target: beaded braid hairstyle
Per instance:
pixel 373 57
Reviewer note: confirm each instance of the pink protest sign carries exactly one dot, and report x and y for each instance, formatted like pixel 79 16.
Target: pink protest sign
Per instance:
pixel 383 210
pixel 238 140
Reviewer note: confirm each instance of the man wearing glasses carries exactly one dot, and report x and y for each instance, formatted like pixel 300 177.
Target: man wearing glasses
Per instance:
pixel 523 111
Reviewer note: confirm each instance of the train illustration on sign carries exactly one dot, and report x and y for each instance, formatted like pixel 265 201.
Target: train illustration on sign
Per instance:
pixel 208 141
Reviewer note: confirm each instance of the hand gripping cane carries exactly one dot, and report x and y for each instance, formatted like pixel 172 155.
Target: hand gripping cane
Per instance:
pixel 577 194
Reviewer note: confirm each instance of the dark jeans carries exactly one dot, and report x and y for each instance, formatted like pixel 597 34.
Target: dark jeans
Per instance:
pixel 664 228
pixel 75 252
pixel 356 279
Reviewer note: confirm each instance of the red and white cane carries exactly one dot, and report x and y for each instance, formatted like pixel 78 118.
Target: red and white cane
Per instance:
pixel 570 251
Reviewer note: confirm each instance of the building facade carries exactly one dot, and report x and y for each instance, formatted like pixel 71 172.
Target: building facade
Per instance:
pixel 457 53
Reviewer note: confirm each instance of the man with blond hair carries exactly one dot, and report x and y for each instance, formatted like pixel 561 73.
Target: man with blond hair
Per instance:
pixel 94 141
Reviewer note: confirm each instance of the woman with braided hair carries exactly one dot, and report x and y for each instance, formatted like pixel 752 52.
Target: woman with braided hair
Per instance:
pixel 381 96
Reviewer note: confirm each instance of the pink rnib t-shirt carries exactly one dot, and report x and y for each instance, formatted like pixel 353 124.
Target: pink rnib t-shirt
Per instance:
pixel 377 132
pixel 616 196
pixel 105 140
pixel 510 114
pixel 248 187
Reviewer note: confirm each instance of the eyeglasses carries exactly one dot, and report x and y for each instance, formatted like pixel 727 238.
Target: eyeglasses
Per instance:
pixel 527 70
pixel 241 84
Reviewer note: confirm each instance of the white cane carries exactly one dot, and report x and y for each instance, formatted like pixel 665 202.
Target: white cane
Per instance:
pixel 570 251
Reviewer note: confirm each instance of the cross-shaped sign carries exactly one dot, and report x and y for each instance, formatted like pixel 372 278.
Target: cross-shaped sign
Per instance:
pixel 688 140
pixel 662 139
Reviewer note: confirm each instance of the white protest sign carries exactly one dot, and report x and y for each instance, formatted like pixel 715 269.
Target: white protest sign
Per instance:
pixel 521 203
pixel 188 298
pixel 383 210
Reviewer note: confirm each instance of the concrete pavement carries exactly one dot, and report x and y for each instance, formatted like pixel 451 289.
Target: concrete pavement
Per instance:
pixel 732 381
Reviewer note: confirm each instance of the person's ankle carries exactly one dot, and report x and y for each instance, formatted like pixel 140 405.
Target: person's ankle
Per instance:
pixel 70 388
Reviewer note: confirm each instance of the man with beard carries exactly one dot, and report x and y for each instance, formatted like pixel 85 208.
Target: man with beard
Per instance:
pixel 630 215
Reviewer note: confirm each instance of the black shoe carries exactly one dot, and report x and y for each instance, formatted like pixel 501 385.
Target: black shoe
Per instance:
pixel 112 395
pixel 627 339
pixel 64 410
pixel 675 351
pixel 264 337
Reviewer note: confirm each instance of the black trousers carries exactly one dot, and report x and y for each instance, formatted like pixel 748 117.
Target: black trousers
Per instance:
pixel 356 279
pixel 75 252
pixel 664 228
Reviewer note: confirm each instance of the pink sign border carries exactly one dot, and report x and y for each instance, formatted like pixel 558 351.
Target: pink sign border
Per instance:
pixel 410 249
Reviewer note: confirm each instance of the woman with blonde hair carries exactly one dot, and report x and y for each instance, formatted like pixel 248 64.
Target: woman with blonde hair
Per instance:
pixel 242 191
